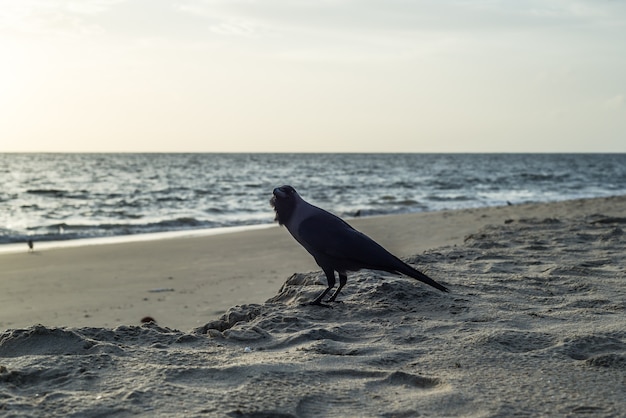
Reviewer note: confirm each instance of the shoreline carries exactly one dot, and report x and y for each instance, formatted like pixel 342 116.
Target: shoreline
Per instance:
pixel 130 238
pixel 17 247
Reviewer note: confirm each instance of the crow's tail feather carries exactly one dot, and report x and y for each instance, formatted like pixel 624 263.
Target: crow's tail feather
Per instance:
pixel 418 275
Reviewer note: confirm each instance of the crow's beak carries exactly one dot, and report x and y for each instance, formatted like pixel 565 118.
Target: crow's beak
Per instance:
pixel 279 193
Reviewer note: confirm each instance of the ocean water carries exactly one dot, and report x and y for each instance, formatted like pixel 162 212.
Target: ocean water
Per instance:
pixel 70 196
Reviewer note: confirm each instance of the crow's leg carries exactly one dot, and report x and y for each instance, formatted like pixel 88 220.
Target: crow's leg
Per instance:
pixel 343 278
pixel 330 277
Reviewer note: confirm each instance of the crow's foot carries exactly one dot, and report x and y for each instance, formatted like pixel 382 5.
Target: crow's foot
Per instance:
pixel 318 303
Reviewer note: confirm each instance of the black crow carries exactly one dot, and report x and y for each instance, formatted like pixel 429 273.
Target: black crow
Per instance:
pixel 334 244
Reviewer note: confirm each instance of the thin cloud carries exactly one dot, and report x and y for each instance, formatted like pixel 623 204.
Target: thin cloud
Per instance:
pixel 50 17
pixel 398 15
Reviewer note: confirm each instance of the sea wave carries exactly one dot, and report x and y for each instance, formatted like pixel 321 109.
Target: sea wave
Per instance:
pixel 93 195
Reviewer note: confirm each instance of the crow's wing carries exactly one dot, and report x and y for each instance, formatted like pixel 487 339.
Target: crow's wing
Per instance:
pixel 326 236
pixel 337 245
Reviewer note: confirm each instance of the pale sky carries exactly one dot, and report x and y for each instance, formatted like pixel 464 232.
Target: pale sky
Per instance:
pixel 314 75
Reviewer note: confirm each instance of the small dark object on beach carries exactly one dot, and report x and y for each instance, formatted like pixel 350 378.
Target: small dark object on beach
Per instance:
pixel 31 245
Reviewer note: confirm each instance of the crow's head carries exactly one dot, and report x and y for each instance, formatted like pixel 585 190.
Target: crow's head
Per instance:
pixel 284 202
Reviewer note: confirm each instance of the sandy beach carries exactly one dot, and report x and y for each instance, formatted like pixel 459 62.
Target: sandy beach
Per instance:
pixel 534 323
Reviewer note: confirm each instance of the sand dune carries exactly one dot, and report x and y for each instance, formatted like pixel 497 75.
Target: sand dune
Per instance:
pixel 533 326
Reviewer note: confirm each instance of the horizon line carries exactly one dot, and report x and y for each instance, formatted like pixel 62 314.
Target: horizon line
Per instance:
pixel 313 152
